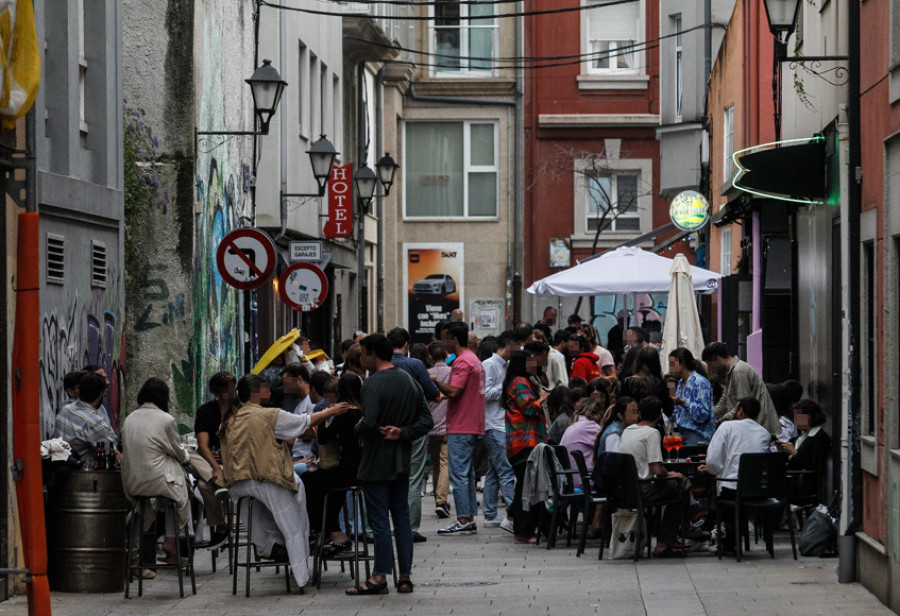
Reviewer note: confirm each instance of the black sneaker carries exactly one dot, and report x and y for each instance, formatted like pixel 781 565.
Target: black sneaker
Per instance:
pixel 459 529
pixel 442 510
pixel 419 538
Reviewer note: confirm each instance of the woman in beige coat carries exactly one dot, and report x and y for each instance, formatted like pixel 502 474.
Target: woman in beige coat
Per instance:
pixel 152 456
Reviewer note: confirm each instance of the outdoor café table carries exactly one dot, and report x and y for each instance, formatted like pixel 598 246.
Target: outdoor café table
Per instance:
pixel 689 470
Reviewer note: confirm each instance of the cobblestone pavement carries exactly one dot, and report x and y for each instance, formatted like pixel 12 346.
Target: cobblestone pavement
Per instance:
pixel 487 574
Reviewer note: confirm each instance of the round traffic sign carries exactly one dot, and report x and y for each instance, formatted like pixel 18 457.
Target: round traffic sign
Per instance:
pixel 303 286
pixel 246 258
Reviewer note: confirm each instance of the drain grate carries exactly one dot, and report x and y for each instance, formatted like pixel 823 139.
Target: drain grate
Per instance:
pixel 458 584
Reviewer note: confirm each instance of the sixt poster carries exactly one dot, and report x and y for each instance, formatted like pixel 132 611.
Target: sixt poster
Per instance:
pixel 433 280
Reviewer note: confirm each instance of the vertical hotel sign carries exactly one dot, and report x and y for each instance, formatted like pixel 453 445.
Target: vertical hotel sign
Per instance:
pixel 340 202
pixel 433 277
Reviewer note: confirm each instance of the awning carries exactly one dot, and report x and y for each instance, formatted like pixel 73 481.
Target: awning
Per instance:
pixel 790 172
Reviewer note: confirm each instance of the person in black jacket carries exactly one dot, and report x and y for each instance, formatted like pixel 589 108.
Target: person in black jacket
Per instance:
pixel 810 452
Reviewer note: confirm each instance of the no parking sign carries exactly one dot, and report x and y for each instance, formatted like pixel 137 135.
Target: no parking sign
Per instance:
pixel 246 258
pixel 303 287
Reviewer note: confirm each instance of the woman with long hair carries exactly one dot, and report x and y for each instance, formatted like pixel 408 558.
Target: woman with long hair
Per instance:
pixel 339 455
pixel 526 427
pixel 647 380
pixel 618 417
pixel 694 413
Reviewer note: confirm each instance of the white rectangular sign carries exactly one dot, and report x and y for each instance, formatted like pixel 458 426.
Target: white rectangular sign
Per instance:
pixel 306 251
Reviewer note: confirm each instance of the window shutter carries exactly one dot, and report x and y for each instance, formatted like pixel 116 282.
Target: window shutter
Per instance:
pixel 613 23
pixel 98 264
pixel 56 258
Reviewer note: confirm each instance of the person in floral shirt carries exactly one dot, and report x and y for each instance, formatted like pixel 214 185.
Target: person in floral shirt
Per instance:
pixel 694 414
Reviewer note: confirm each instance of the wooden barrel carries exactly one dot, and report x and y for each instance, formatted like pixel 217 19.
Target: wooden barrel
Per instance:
pixel 86 533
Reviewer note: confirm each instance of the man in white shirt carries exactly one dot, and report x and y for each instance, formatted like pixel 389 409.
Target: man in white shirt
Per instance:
pixel 642 441
pixel 733 439
pixel 556 361
pixel 500 476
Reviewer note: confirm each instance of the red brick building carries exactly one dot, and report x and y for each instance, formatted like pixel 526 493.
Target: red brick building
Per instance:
pixel 590 135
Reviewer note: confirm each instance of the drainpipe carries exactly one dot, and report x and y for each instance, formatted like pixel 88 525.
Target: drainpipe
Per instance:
pixel 518 227
pixel 361 156
pixel 379 203
pixel 283 135
pixel 847 569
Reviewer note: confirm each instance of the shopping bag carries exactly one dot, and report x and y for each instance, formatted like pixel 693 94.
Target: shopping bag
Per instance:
pixel 819 533
pixel 624 535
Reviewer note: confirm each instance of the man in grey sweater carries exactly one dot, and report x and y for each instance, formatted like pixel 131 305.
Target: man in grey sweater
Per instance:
pixel 739 380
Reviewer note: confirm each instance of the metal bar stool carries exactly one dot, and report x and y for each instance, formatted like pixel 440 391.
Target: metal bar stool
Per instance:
pixel 135 529
pixel 355 511
pixel 248 564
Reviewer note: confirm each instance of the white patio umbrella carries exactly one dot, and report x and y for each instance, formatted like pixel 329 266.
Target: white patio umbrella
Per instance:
pixel 621 271
pixel 682 324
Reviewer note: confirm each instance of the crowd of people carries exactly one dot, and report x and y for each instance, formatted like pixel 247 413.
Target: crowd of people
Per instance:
pixel 473 409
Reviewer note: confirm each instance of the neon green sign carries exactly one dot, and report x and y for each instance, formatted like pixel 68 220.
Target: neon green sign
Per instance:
pixel 689 210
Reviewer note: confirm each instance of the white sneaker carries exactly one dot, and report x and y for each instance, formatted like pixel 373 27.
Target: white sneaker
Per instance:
pixel 492 523
pixel 507 525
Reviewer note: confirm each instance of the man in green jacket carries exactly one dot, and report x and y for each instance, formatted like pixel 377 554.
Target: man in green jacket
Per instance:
pixel 394 415
pixel 739 380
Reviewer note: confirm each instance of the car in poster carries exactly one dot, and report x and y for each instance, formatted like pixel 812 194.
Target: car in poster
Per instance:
pixel 435 284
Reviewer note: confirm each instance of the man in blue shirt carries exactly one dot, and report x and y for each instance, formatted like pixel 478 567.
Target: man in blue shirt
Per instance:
pixel 399 339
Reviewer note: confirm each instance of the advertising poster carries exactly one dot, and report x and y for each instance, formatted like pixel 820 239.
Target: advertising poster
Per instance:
pixel 433 279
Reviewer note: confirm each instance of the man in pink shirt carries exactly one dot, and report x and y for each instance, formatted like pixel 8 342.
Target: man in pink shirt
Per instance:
pixel 465 424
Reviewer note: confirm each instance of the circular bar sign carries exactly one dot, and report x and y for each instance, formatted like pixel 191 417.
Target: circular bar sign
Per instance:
pixel 246 258
pixel 689 210
pixel 303 287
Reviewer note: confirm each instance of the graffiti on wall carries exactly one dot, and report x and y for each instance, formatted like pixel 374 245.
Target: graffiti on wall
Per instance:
pixel 218 315
pixel 650 307
pixel 77 333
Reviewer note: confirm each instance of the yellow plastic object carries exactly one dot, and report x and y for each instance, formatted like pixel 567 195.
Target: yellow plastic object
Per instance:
pixel 20 62
pixel 312 356
pixel 277 348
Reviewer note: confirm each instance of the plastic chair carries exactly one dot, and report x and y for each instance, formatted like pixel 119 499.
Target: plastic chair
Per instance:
pixel 760 488
pixel 256 563
pixel 134 530
pixel 627 494
pixel 590 500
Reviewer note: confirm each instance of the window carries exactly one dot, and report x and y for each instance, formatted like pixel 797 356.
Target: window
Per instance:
pixel 728 144
pixel 611 33
pixel 451 169
pixel 315 99
pixel 56 258
pixel 725 251
pixel 82 74
pixel 679 69
pixel 335 99
pixel 465 46
pixel 869 315
pixel 327 105
pixel 613 202
pixel 303 105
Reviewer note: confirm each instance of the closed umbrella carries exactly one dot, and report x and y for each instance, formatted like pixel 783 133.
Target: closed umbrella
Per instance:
pixel 682 325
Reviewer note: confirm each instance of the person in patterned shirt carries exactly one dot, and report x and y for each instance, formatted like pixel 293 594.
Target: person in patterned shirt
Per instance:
pixel 694 413
pixel 526 427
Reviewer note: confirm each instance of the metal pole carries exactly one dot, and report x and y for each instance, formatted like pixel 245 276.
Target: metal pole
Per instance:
pixel 379 203
pixel 363 284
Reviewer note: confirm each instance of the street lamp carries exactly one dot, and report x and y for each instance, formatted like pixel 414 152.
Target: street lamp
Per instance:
pixel 387 167
pixel 365 180
pixel 266 86
pixel 782 16
pixel 321 156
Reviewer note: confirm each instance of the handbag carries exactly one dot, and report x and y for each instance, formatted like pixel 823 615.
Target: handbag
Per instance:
pixel 819 533
pixel 329 455
pixel 623 542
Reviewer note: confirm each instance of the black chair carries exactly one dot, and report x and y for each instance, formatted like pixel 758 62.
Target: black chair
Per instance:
pixel 626 493
pixel 247 502
pixel 761 489
pixel 589 502
pixel 134 530
pixel 557 460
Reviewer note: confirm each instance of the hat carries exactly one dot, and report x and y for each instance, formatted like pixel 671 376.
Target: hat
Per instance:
pixel 575 319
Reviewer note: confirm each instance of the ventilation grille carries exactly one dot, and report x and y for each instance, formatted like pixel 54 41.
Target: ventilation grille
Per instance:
pixel 56 258
pixel 98 264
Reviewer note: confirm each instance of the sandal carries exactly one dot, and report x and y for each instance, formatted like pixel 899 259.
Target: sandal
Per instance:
pixel 368 589
pixel 404 586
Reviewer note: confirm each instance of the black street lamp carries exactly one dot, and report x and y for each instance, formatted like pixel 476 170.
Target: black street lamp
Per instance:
pixel 387 167
pixel 365 180
pixel 266 86
pixel 782 16
pixel 321 156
